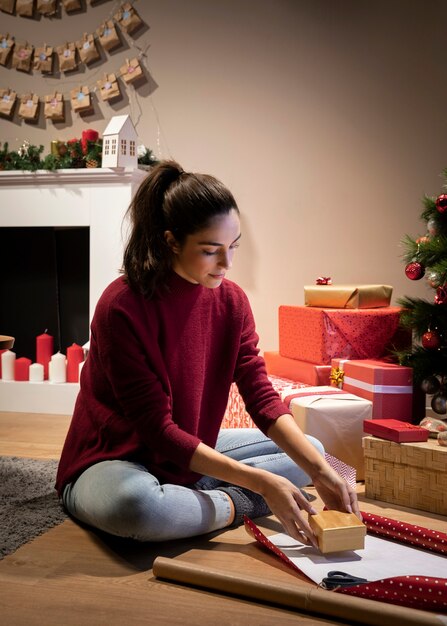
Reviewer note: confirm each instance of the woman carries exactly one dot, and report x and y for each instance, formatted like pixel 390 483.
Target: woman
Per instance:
pixel 144 456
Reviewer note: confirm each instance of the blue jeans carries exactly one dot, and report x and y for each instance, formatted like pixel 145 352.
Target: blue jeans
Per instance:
pixel 122 498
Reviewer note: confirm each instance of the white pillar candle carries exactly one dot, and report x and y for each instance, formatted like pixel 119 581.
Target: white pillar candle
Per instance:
pixel 8 363
pixel 81 365
pixel 36 373
pixel 57 368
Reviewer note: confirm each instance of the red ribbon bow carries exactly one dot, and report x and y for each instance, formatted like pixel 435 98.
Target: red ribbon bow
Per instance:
pixel 323 280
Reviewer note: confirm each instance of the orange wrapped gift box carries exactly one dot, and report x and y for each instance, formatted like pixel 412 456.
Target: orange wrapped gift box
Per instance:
pixel 295 369
pixel 388 386
pixel 318 335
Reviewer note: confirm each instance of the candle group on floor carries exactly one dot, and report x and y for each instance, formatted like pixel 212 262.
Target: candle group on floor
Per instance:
pixel 56 368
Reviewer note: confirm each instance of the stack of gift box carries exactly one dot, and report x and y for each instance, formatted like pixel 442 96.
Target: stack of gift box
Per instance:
pixel 338 348
pixel 340 344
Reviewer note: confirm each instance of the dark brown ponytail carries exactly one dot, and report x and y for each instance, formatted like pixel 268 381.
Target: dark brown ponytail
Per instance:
pixel 168 199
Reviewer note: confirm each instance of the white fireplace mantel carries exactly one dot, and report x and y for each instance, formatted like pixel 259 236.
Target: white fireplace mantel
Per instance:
pixel 95 198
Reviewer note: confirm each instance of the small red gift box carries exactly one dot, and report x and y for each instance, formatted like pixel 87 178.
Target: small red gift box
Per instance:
pixel 395 430
pixel 387 385
pixel 318 335
pixel 295 369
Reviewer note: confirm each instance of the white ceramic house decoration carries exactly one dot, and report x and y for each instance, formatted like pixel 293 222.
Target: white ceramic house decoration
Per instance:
pixel 119 143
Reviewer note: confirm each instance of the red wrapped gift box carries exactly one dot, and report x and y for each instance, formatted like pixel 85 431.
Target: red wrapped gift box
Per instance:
pixel 295 369
pixel 395 430
pixel 388 386
pixel 318 335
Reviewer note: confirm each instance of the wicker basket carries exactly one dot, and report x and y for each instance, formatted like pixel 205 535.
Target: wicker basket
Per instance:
pixel 408 474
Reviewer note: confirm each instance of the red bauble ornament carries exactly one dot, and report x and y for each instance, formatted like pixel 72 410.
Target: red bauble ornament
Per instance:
pixel 414 270
pixel 441 295
pixel 441 203
pixel 431 340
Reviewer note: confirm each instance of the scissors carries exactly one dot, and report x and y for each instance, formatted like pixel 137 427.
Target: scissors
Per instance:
pixel 336 579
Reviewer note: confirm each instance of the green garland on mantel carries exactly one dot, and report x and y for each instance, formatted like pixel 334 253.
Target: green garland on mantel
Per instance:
pixel 67 155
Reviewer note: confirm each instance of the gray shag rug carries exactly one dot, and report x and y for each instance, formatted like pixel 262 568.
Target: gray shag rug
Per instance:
pixel 29 505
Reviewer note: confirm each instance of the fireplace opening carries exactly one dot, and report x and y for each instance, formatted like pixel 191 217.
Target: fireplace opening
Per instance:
pixel 44 286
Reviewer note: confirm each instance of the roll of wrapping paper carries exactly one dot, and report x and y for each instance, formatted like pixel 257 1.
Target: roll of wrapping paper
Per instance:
pixel 309 599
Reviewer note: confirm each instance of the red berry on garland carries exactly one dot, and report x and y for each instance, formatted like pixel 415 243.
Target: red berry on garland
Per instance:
pixel 441 295
pixel 431 340
pixel 441 203
pixel 414 270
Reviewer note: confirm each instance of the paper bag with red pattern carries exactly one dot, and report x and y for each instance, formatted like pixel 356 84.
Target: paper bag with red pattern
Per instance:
pixel 22 56
pixel 128 18
pixel 67 57
pixel 87 49
pixel 6 46
pixel 131 70
pixel 54 107
pixel 80 99
pixel 43 59
pixel 8 99
pixel 29 106
pixel 108 37
pixel 109 88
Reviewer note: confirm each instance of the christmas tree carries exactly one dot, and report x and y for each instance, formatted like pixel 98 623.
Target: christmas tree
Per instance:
pixel 426 257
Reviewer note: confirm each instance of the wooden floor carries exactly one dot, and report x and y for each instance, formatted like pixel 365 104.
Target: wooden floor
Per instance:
pixel 72 576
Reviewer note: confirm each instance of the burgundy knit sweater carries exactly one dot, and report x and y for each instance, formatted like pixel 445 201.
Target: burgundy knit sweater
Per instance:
pixel 156 380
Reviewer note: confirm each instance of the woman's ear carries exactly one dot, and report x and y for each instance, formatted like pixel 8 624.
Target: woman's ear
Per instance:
pixel 171 241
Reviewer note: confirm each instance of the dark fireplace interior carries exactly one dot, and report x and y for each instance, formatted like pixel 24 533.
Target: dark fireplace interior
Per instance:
pixel 44 286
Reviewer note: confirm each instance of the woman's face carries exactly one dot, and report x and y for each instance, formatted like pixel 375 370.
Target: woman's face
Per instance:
pixel 206 255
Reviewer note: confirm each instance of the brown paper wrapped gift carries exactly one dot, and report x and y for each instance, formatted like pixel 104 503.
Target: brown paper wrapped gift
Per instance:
pixel 43 59
pixel 29 106
pixel 8 99
pixel 108 37
pixel 87 49
pixel 72 5
pixel 6 46
pixel 348 296
pixel 7 6
pixel 131 71
pixel 22 56
pixel 128 18
pixel 67 57
pixel 80 99
pixel 109 88
pixel 54 107
pixel 25 8
pixel 46 7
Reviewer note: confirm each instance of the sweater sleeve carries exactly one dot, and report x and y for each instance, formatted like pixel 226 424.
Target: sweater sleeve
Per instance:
pixel 261 400
pixel 131 362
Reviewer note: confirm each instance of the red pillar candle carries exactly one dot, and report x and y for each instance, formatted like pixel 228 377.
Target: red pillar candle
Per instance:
pixel 21 368
pixel 44 351
pixel 75 355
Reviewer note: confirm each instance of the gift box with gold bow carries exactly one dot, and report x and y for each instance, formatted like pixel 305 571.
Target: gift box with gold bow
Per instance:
pixel 388 386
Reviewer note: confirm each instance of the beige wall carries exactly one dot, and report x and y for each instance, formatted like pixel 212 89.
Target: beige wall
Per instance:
pixel 326 118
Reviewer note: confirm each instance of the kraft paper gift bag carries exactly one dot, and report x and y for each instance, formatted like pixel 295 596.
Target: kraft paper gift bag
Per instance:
pixel 128 18
pixel 67 57
pixel 80 99
pixel 72 5
pixel 29 106
pixel 22 56
pixel 131 71
pixel 25 8
pixel 8 99
pixel 6 46
pixel 43 59
pixel 46 7
pixel 7 6
pixel 109 88
pixel 108 37
pixel 54 107
pixel 87 49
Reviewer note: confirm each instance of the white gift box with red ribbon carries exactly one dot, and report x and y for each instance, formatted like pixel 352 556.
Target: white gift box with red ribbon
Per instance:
pixel 333 416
